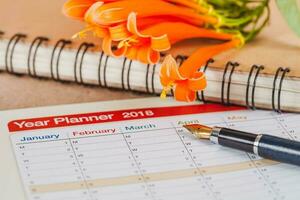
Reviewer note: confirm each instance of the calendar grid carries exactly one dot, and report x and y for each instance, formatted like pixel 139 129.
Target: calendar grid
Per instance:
pixel 195 164
pixel 80 169
pixel 140 172
pixel 154 159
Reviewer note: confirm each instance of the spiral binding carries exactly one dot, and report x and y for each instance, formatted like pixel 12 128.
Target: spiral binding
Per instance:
pixel 128 87
pixel 204 70
pixel 258 69
pixel 146 83
pixel 233 65
pixel 99 69
pixel 82 49
pixel 283 72
pixel 126 70
pixel 122 73
pixel 104 71
pixel 9 55
pixel 37 43
pixel 128 76
pixel 152 78
pixel 62 43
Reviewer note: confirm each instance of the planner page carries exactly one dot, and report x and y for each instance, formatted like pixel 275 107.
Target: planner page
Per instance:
pixel 146 154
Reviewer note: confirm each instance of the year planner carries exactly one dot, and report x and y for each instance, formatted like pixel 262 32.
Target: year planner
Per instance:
pixel 138 150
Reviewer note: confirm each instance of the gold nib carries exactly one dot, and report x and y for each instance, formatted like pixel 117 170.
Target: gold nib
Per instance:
pixel 199 131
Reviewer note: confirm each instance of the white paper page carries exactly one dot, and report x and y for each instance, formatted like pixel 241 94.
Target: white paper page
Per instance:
pixel 146 154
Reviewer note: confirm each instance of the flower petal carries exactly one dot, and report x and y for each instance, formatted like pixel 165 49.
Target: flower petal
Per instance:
pixel 107 48
pixel 101 32
pixel 183 93
pixel 118 11
pixel 160 43
pixel 77 8
pixel 171 68
pixel 190 4
pixel 200 56
pixel 131 53
pixel 198 82
pixel 165 79
pixel 89 16
pixel 169 71
pixel 132 25
pixel 157 43
pixel 146 55
pixel 119 32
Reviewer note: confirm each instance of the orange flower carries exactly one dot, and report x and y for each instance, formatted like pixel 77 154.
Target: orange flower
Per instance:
pixel 141 41
pixel 118 11
pixel 86 10
pixel 190 4
pixel 185 88
pixel 76 9
pixel 186 80
pixel 142 29
pixel 146 44
pixel 115 34
pixel 82 10
pixel 143 46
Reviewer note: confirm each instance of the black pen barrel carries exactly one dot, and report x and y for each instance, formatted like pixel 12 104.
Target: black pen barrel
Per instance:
pixel 266 146
pixel 279 149
pixel 235 139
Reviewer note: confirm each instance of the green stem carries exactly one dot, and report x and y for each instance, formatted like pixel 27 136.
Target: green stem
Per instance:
pixel 247 17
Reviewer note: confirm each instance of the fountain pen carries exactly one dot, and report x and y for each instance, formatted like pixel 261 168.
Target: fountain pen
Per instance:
pixel 263 145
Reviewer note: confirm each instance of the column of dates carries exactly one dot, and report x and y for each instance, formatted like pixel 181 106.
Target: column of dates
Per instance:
pixel 109 168
pixel 213 162
pixel 253 123
pixel 165 163
pixel 47 163
pixel 285 177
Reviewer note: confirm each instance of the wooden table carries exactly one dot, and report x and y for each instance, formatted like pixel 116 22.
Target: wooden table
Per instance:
pixel 24 91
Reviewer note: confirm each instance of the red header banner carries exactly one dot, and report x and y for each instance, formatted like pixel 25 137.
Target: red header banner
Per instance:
pixel 113 116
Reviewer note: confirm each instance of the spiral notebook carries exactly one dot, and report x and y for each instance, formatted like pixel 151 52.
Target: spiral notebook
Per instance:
pixel 264 74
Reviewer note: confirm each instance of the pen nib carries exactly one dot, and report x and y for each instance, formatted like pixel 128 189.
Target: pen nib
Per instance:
pixel 199 131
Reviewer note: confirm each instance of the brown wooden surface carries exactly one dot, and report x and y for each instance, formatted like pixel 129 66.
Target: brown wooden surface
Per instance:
pixel 24 91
